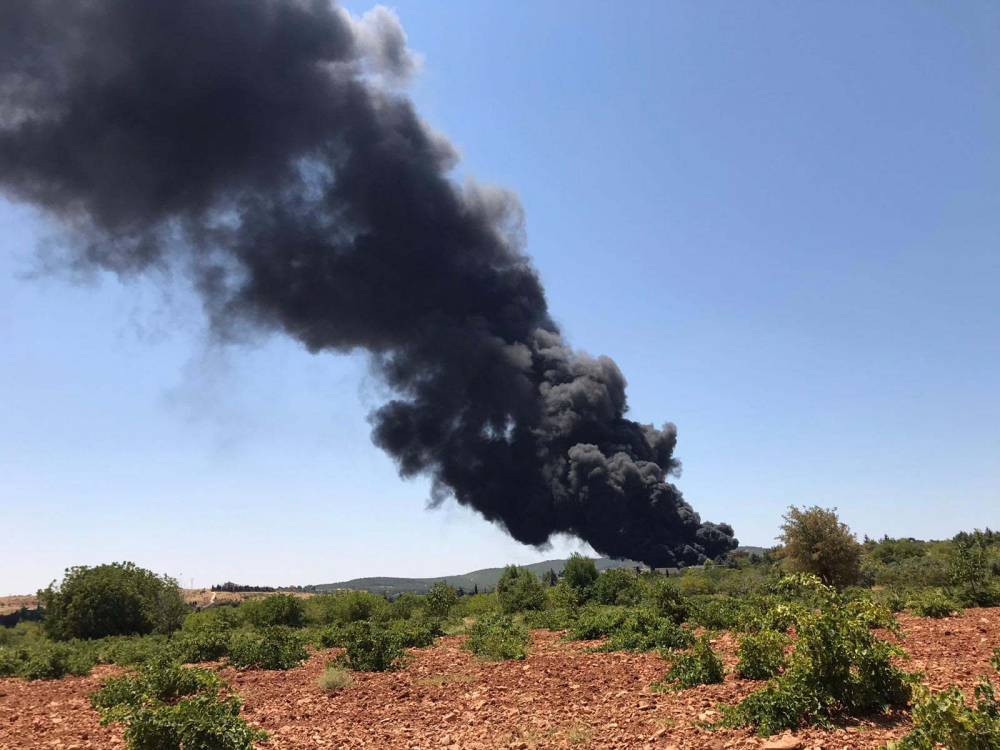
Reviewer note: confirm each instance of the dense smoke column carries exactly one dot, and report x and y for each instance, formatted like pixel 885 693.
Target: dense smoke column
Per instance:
pixel 264 147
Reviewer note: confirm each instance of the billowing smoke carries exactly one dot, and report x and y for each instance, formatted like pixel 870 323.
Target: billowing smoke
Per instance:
pixel 264 146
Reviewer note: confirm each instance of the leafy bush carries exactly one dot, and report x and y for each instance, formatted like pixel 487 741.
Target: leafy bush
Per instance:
pixel 932 603
pixel 168 707
pixel 761 656
pixel 346 607
pixel 767 612
pixel 403 606
pixel 695 583
pixel 205 636
pixel 838 665
pixel 913 573
pixel 439 601
pixel 617 586
pixel 595 622
pixel 497 638
pixel 973 562
pixel 130 650
pixel 700 666
pixel 667 601
pixel 273 647
pixel 945 719
pixel 372 647
pixel 817 542
pixel 334 678
pixel 45 660
pixel 278 609
pixel 715 612
pixel 414 634
pixel 580 573
pixel 551 619
pixel 518 590
pixel 115 599
pixel 642 630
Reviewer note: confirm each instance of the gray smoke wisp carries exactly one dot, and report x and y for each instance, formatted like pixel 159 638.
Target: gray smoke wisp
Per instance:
pixel 265 146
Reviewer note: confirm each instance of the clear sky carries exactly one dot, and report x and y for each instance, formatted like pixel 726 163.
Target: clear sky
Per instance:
pixel 781 219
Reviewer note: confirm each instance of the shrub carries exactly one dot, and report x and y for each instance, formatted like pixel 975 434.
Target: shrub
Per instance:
pixel 945 719
pixel 334 678
pixel 551 619
pixel 667 601
pixel 403 606
pixel 767 613
pixel 115 599
pixel 346 607
pixel 440 599
pixel 168 707
pixel 932 603
pixel 497 638
pixel 617 586
pixel 414 634
pixel 642 630
pixel 205 636
pixel 695 583
pixel 700 666
pixel 372 647
pixel 518 590
pixel 273 647
pixel 46 660
pixel 714 612
pixel 580 573
pixel 130 650
pixel 913 573
pixel 761 656
pixel 9 661
pixel 817 542
pixel 972 563
pixel 595 622
pixel 278 609
pixel 838 665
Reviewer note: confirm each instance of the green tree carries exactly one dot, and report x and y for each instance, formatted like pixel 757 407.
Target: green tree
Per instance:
pixel 115 599
pixel 817 542
pixel 440 599
pixel 580 573
pixel 519 589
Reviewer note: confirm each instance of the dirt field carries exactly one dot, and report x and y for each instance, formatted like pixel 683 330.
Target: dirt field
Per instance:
pixel 560 697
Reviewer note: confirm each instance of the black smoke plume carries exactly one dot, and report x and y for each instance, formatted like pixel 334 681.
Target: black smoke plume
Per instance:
pixel 264 146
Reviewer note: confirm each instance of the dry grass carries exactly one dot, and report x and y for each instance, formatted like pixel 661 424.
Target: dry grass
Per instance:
pixel 334 678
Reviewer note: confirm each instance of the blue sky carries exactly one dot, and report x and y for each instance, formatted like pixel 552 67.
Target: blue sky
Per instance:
pixel 780 219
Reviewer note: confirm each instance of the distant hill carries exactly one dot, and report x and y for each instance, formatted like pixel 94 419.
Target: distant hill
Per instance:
pixel 485 579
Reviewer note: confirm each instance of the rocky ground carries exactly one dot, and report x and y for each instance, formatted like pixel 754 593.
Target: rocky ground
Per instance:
pixel 560 697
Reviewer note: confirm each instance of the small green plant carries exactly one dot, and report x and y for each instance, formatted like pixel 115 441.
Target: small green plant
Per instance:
pixel 551 619
pixel 497 638
pixel 164 706
pixel 642 630
pixel 438 602
pixel 45 660
pixel 714 612
pixel 838 665
pixel 372 647
pixel 933 603
pixel 595 622
pixel 334 678
pixel 667 601
pixel 700 666
pixel 762 655
pixel 413 634
pixel 277 609
pixel 945 719
pixel 518 590
pixel 272 647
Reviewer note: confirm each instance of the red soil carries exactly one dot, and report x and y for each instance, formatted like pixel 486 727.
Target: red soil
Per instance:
pixel 560 697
